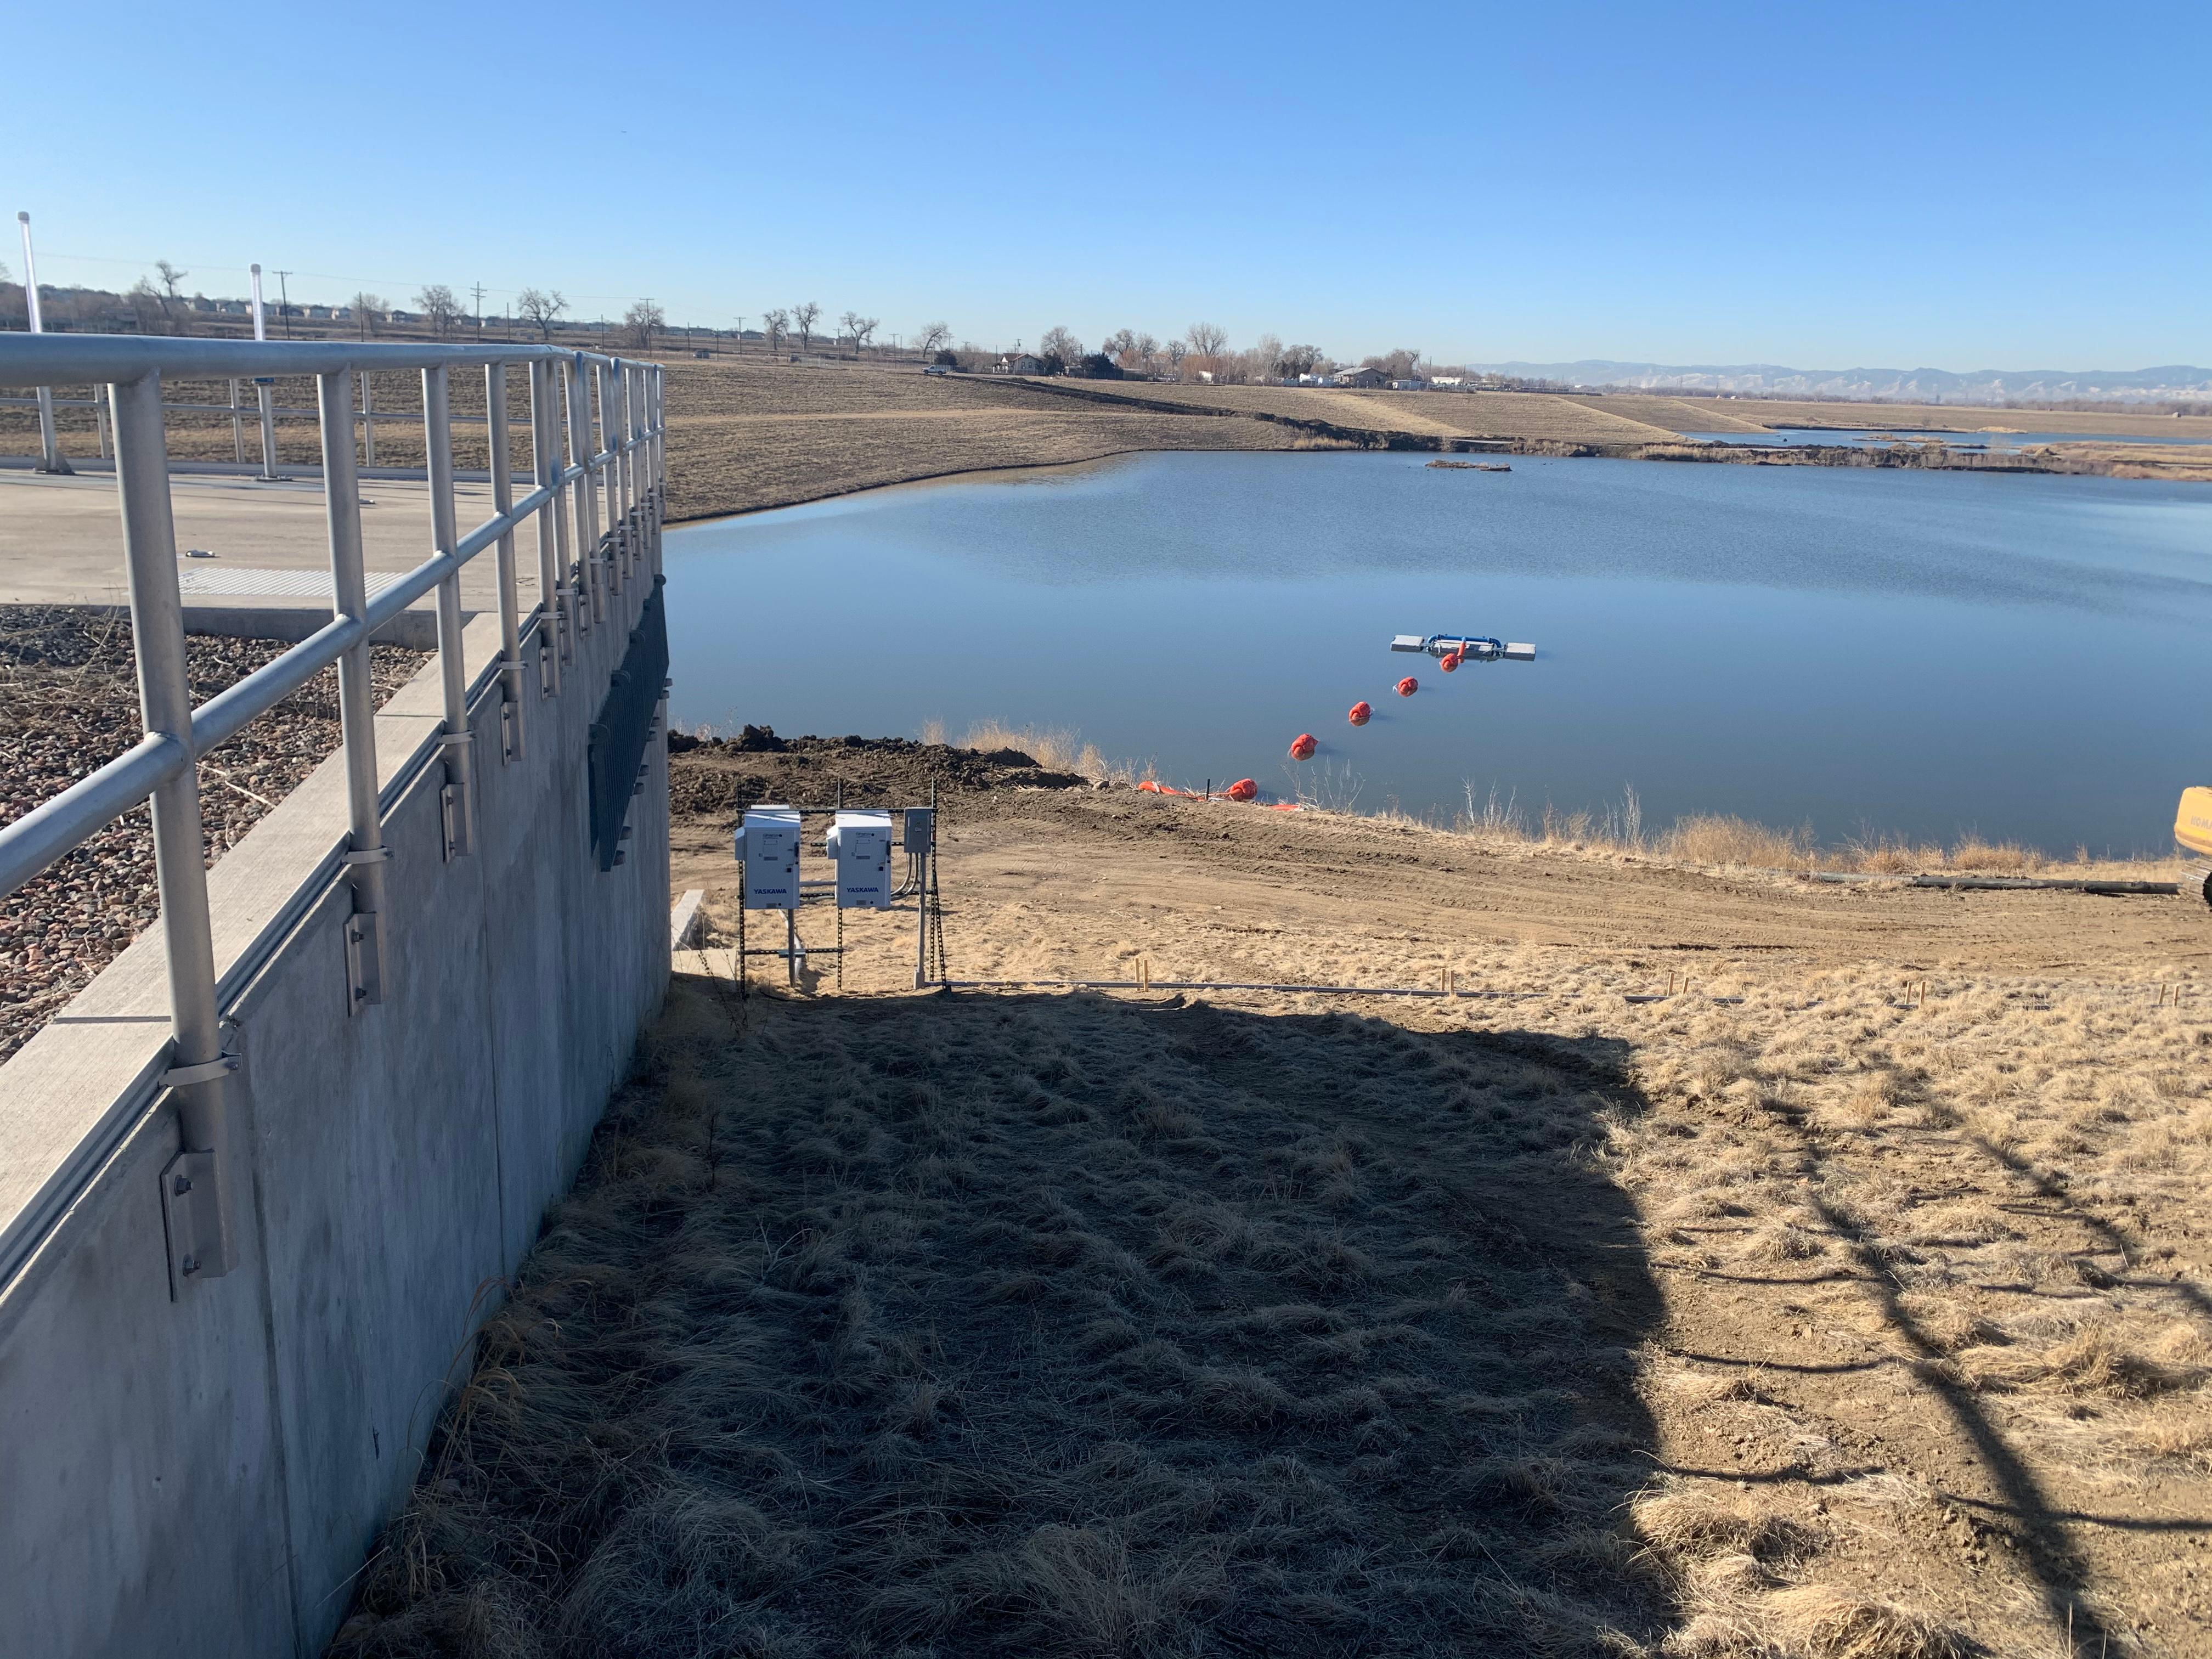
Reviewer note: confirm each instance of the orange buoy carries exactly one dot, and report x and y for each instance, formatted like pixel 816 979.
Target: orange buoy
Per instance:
pixel 1408 686
pixel 1449 662
pixel 1361 714
pixel 1243 789
pixel 1302 746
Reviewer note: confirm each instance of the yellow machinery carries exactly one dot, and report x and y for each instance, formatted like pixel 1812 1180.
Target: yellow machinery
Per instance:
pixel 2192 829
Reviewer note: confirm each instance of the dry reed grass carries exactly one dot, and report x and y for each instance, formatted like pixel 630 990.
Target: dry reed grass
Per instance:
pixel 1056 748
pixel 1726 840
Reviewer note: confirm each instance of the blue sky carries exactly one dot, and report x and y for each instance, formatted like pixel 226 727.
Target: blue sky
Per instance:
pixel 1819 184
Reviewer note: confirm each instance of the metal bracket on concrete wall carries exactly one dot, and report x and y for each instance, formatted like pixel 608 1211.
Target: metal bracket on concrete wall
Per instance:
pixel 364 952
pixel 449 810
pixel 510 733
pixel 548 664
pixel 189 1216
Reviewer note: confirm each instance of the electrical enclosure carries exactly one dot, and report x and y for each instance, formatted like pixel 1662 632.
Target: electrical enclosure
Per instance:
pixel 767 845
pixel 860 844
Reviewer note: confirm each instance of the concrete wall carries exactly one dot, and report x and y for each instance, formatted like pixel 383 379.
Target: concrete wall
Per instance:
pixel 204 1476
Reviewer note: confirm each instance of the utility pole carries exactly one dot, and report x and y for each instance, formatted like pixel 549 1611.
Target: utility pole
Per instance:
pixel 284 301
pixel 49 444
pixel 741 336
pixel 264 388
pixel 478 292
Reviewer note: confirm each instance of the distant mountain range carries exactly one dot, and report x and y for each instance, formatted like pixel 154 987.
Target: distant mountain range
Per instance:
pixel 1986 385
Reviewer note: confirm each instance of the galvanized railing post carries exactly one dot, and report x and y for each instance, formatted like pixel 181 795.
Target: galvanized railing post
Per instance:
pixel 510 615
pixel 659 461
pixel 365 857
pixel 237 424
pixel 592 605
pixel 610 446
pixel 195 1185
pixel 552 531
pixel 367 420
pixel 634 400
pixel 438 441
pixel 626 380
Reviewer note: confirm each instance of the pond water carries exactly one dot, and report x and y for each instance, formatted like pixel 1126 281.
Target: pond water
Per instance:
pixel 1924 654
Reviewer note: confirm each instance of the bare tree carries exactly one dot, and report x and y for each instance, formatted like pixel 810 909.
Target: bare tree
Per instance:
pixel 1207 341
pixel 641 320
pixel 1148 354
pixel 171 301
pixel 776 325
pixel 1294 360
pixel 1177 350
pixel 1060 343
pixel 803 316
pixel 146 306
pixel 438 307
pixel 858 329
pixel 933 339
pixel 368 311
pixel 541 308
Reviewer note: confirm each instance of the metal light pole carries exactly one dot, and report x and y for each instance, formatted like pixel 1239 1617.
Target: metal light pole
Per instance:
pixel 263 391
pixel 50 446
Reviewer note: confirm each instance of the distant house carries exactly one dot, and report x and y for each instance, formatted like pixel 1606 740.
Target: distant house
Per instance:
pixel 1367 379
pixel 1409 385
pixel 1448 379
pixel 1018 362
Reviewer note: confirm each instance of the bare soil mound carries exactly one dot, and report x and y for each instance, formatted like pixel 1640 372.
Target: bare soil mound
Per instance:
pixel 715 779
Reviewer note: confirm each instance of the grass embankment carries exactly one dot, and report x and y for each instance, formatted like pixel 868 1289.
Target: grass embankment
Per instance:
pixel 1851 1301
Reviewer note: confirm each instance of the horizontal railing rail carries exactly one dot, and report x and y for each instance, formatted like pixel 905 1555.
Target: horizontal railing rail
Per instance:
pixel 596 441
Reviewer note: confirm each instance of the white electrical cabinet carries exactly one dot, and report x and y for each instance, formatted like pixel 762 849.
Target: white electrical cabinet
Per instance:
pixel 767 844
pixel 859 845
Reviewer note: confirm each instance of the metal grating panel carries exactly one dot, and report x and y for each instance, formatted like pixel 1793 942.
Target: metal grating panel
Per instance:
pixel 197 578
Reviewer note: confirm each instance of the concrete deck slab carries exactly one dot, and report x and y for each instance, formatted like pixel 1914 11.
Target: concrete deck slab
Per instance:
pixel 61 539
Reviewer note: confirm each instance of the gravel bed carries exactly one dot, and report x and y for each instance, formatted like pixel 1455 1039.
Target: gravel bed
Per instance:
pixel 68 704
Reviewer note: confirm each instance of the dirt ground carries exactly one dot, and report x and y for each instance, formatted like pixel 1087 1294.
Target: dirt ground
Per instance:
pixel 1743 1266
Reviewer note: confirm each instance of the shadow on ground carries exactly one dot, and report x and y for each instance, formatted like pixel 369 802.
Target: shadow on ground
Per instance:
pixel 1055 1325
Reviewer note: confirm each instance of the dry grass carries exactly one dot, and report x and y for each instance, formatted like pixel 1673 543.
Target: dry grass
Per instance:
pixel 1057 749
pixel 1724 841
pixel 1059 1326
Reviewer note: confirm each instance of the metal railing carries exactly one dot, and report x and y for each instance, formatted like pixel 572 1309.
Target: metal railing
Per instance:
pixel 597 445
